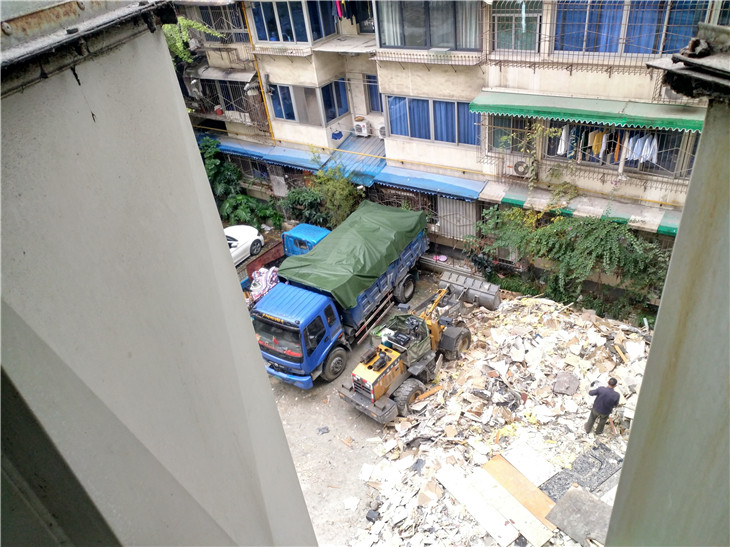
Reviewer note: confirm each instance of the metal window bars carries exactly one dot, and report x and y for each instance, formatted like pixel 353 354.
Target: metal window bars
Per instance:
pixel 235 102
pixel 614 36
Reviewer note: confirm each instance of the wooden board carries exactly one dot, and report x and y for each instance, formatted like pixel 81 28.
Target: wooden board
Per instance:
pixel 529 495
pixel 491 520
pixel 521 518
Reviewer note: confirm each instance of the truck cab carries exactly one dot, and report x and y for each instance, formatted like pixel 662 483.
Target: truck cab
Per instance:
pixel 302 238
pixel 300 335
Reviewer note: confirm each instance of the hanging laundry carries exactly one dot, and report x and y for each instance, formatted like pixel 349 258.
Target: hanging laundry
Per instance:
pixel 616 154
pixel 649 150
pixel 639 147
pixel 573 141
pixel 563 144
pixel 597 143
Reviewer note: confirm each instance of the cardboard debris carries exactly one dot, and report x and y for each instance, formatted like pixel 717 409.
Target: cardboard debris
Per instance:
pixel 520 391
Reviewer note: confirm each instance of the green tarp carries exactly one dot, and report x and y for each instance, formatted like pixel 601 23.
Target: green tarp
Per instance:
pixel 356 253
pixel 599 111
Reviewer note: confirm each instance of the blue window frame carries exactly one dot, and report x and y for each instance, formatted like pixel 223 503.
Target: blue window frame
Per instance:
pixel 227 20
pixel 334 99
pixel 375 102
pixel 411 24
pixel 431 119
pixel 279 22
pixel 281 102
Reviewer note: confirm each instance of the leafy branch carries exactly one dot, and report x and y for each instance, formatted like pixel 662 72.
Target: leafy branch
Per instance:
pixel 177 37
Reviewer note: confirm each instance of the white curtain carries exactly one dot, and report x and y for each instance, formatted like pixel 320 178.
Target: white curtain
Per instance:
pixel 467 25
pixel 390 24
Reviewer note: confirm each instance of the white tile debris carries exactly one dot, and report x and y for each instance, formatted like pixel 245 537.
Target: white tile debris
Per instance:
pixel 499 399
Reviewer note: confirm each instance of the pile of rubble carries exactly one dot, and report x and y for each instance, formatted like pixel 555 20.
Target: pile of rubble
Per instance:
pixel 499 441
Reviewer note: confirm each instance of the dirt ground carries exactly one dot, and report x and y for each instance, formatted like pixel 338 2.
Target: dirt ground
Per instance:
pixel 330 441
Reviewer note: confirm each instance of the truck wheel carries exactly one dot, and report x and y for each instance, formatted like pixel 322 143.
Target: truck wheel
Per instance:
pixel 405 289
pixel 406 395
pixel 335 364
pixel 454 340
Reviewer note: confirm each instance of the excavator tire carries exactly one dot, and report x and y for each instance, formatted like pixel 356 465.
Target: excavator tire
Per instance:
pixel 406 395
pixel 454 340
pixel 405 289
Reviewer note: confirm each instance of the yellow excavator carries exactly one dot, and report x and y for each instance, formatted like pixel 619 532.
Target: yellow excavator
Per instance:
pixel 407 352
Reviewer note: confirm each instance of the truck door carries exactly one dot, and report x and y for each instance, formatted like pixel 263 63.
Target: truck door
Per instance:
pixel 320 334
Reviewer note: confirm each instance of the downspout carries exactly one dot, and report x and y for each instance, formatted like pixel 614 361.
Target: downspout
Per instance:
pixel 258 74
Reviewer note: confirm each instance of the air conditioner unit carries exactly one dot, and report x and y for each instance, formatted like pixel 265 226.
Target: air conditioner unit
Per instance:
pixel 519 168
pixel 381 131
pixel 362 129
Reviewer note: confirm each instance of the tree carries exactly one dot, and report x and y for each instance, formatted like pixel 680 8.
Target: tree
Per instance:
pixel 340 196
pixel 177 37
pixel 223 176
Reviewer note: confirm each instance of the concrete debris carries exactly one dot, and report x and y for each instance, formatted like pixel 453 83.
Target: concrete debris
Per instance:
pixel 520 391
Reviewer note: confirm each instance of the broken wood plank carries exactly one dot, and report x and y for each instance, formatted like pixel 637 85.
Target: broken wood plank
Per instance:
pixel 528 525
pixel 491 520
pixel 429 392
pixel 529 495
pixel 621 353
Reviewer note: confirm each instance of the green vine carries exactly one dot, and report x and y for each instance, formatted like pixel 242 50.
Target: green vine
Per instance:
pixel 575 249
pixel 177 37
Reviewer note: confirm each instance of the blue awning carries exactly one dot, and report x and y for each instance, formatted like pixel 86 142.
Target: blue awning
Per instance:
pixel 450 187
pixel 298 159
pixel 242 148
pixel 361 158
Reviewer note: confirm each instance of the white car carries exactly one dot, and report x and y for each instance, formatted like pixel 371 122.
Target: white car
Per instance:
pixel 243 241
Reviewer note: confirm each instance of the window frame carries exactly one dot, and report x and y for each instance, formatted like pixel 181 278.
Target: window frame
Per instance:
pixel 683 160
pixel 372 80
pixel 427 26
pixel 277 20
pixel 337 93
pixel 624 37
pixel 530 13
pixel 432 123
pixel 294 91
pixel 232 33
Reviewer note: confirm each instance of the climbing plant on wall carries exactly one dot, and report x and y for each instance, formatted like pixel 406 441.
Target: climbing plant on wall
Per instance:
pixel 576 249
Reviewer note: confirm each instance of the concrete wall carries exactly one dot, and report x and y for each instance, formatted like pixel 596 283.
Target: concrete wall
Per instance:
pixel 675 484
pixel 124 328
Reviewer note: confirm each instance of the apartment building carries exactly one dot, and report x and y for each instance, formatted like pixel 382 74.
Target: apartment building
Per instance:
pixel 453 106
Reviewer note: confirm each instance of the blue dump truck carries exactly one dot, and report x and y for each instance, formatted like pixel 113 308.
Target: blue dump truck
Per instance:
pixel 327 299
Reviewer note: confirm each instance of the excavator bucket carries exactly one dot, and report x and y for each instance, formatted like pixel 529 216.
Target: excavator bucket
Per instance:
pixel 471 289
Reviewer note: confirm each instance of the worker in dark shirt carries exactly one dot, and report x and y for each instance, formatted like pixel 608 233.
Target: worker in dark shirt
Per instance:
pixel 606 400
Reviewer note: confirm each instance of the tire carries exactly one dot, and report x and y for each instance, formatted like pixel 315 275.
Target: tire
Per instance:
pixel 335 365
pixel 406 394
pixel 405 290
pixel 454 340
pixel 255 247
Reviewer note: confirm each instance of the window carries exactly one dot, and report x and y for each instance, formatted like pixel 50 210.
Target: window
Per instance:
pixel 444 121
pixel 329 314
pixel 664 153
pixel 304 105
pixel 321 18
pixel 426 25
pixel 334 99
pixel 724 14
pixel 375 102
pixel 589 26
pixel 508 133
pixel 651 27
pixel 279 22
pixel 227 20
pixel 512 30
pixel 313 334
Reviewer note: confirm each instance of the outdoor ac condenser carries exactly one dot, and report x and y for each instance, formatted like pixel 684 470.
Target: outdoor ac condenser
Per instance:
pixel 362 129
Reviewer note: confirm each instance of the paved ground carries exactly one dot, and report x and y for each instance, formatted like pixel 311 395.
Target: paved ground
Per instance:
pixel 330 441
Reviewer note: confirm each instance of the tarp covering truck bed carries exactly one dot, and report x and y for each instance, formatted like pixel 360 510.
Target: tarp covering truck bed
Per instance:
pixel 374 236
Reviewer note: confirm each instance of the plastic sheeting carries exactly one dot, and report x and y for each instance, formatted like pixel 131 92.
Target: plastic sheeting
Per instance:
pixel 356 253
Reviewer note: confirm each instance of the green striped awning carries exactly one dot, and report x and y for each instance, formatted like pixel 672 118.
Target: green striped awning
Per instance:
pixel 595 111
